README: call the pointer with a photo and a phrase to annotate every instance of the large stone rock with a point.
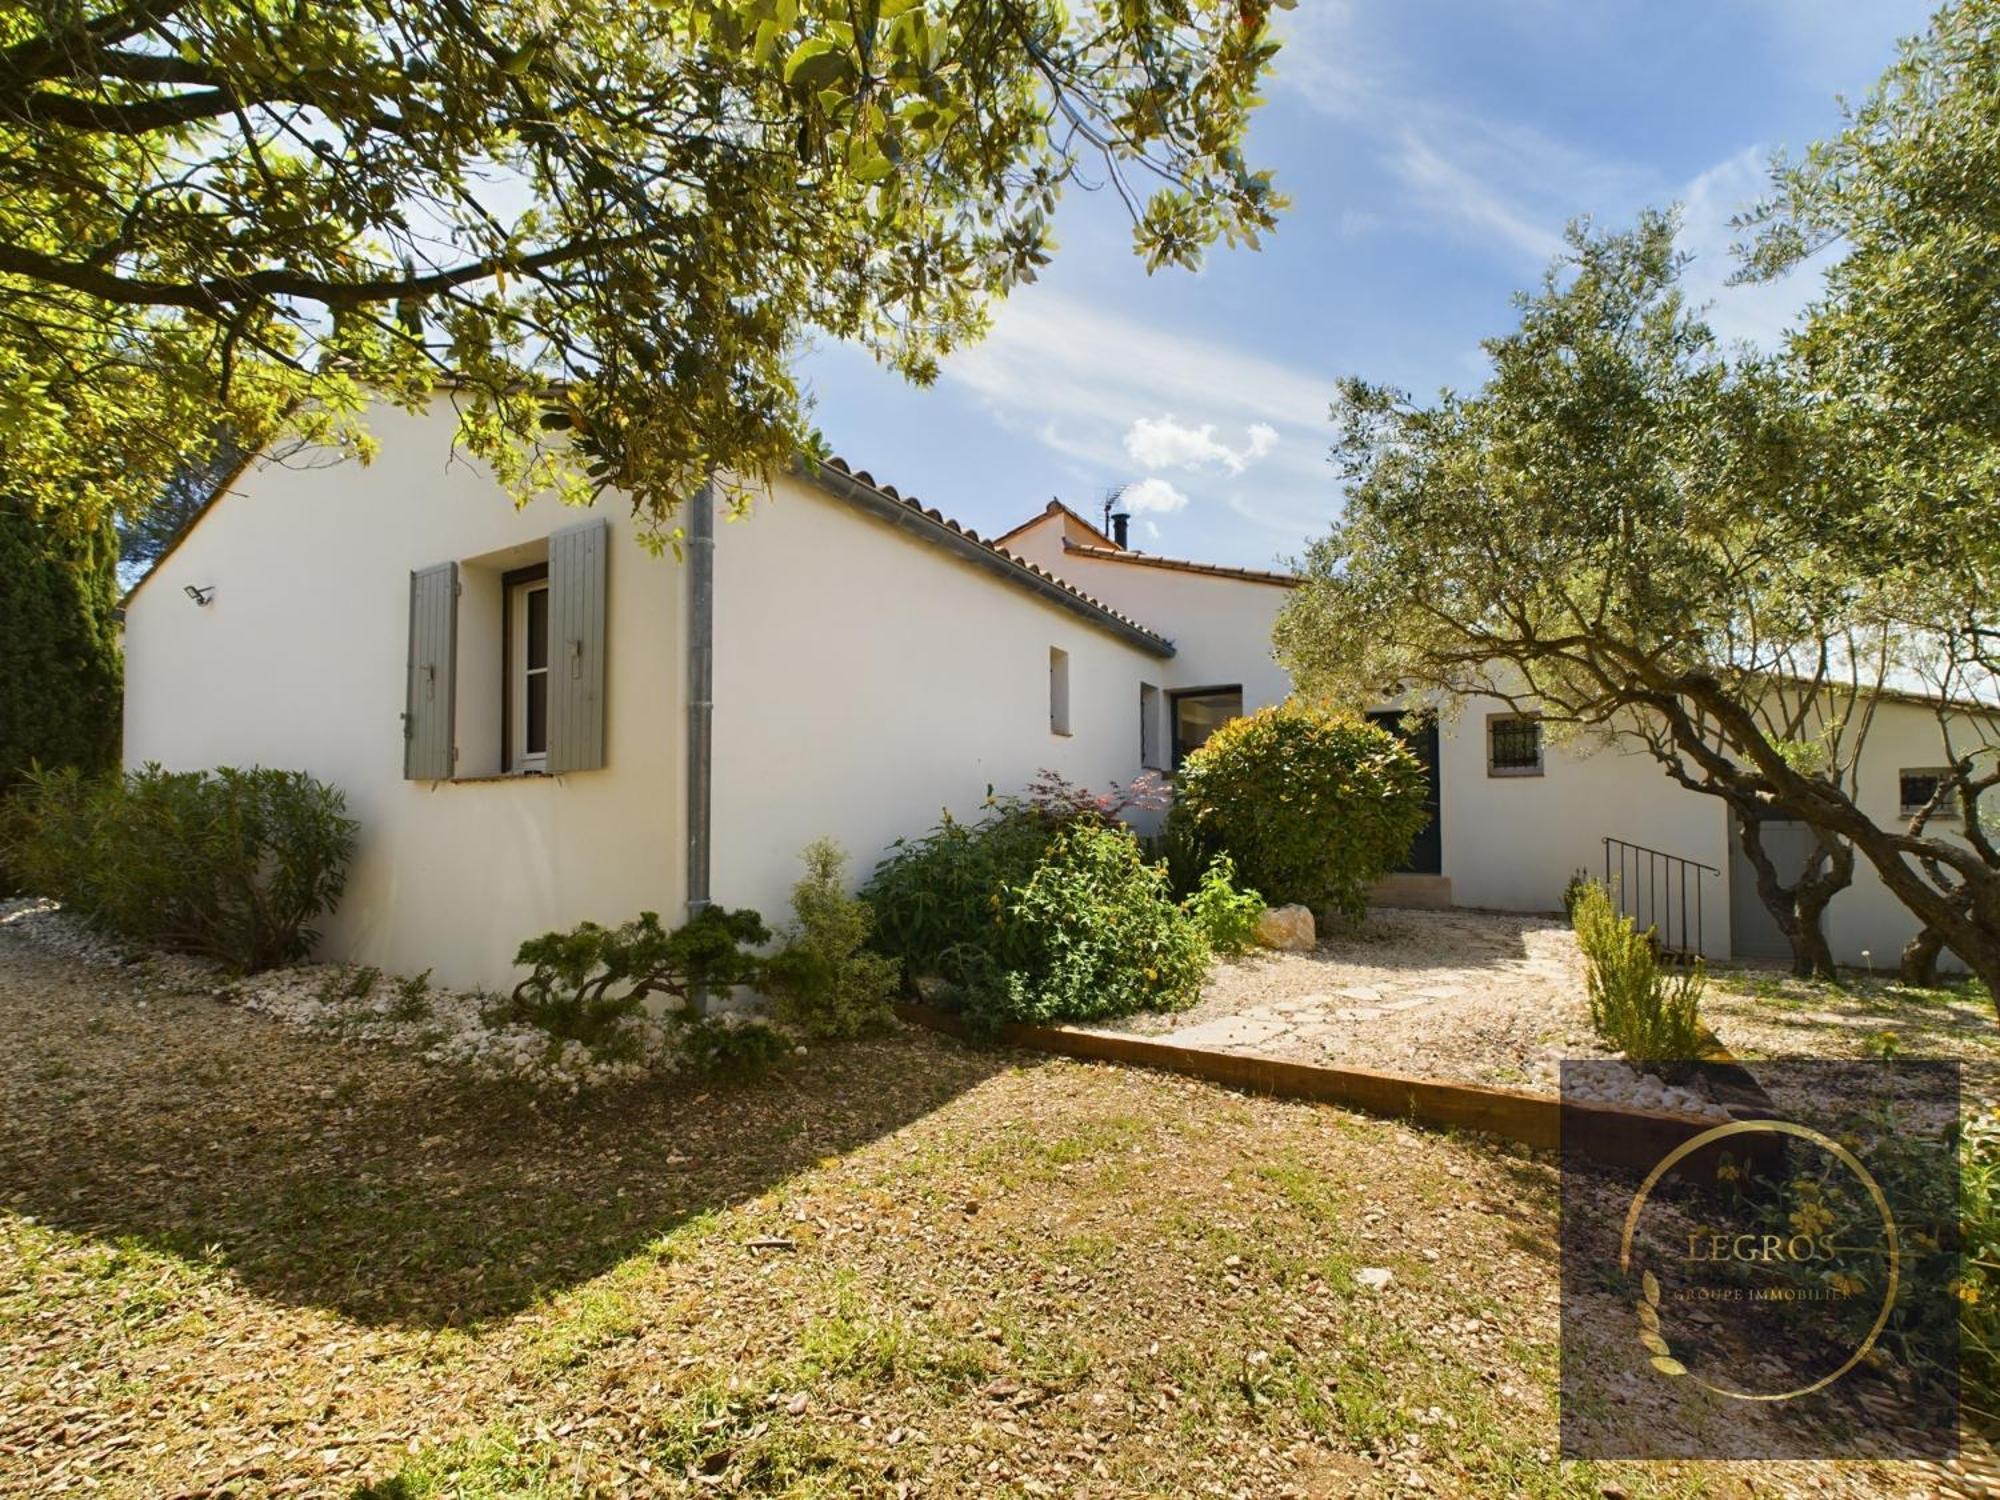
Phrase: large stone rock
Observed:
(1287, 927)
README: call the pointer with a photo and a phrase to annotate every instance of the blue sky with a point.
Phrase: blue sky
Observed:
(1433, 153)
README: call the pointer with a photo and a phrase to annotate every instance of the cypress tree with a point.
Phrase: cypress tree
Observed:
(61, 674)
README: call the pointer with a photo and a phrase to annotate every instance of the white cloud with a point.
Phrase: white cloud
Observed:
(1153, 494)
(1078, 377)
(1759, 312)
(1165, 443)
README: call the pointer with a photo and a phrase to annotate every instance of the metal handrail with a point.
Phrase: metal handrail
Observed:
(1658, 889)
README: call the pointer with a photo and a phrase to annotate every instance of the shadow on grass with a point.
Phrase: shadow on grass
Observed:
(327, 1174)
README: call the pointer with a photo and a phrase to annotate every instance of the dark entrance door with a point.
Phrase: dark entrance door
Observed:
(1427, 853)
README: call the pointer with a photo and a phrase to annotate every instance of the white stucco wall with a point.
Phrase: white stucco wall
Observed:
(1902, 736)
(1511, 842)
(1220, 626)
(865, 680)
(299, 662)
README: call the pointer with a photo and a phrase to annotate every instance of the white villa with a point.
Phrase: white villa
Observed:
(536, 721)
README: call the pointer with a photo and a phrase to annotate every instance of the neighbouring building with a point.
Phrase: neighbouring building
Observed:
(537, 721)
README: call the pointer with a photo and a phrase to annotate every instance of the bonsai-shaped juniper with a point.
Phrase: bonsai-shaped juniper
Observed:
(583, 983)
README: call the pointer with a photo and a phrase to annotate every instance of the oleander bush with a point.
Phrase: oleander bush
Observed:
(825, 980)
(232, 864)
(1649, 1014)
(1313, 806)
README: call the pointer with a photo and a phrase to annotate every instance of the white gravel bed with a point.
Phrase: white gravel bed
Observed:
(453, 1028)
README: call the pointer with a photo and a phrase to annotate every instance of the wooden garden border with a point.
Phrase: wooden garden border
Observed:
(1630, 1137)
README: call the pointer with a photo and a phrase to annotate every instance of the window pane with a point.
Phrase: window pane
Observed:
(1197, 716)
(538, 629)
(1918, 789)
(537, 735)
(1517, 744)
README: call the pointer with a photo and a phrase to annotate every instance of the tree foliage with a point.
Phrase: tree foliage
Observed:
(607, 225)
(1646, 541)
(60, 672)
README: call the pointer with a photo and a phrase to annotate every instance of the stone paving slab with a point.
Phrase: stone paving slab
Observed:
(1482, 997)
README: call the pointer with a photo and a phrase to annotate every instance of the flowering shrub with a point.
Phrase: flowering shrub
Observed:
(1313, 806)
(1979, 1289)
(1045, 909)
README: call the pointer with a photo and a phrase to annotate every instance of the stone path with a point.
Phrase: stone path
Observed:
(1476, 996)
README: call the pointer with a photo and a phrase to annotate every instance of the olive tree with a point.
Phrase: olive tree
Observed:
(606, 227)
(1651, 542)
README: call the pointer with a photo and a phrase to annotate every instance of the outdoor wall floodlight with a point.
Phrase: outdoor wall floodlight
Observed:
(200, 596)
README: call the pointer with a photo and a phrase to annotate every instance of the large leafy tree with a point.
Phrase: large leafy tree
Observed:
(1730, 561)
(606, 225)
(1620, 516)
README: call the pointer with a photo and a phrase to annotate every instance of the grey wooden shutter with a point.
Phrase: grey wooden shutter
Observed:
(427, 714)
(576, 646)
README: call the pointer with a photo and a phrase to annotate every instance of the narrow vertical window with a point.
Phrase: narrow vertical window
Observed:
(527, 688)
(1058, 691)
(1149, 728)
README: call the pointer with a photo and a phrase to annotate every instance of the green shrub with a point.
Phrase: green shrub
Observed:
(230, 864)
(1650, 1016)
(1979, 1288)
(717, 1049)
(1226, 915)
(824, 981)
(60, 671)
(1573, 892)
(1313, 806)
(585, 982)
(1038, 912)
(1099, 935)
(938, 899)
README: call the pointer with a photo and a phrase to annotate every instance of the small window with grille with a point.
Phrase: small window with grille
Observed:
(1917, 788)
(1513, 745)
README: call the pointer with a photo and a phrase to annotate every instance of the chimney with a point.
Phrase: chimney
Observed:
(1120, 522)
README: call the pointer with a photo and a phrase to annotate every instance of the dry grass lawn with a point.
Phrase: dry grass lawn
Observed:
(236, 1259)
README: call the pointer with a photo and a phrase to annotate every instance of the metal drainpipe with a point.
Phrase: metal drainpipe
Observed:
(701, 700)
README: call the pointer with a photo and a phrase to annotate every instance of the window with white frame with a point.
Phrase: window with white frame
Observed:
(1513, 745)
(526, 687)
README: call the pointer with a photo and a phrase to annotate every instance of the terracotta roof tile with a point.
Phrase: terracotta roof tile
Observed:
(1182, 565)
(912, 504)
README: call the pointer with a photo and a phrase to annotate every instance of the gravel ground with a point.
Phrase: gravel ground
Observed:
(1478, 996)
(1497, 998)
(460, 1029)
